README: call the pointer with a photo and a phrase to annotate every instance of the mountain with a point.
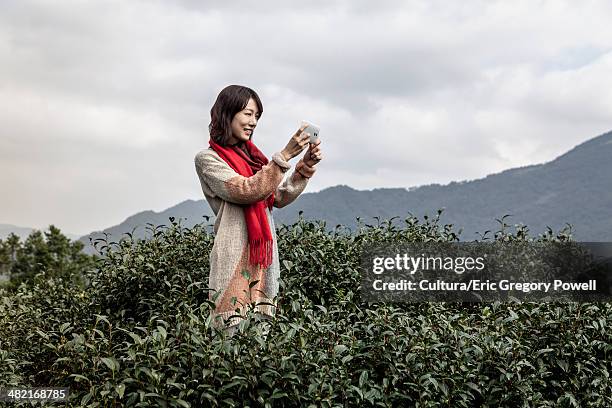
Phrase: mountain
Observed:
(574, 188)
(190, 212)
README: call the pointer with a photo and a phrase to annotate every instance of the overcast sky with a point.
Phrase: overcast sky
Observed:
(104, 104)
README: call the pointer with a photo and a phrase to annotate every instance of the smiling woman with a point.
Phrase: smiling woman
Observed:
(242, 187)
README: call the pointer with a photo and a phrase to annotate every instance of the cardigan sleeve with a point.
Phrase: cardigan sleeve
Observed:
(293, 185)
(221, 180)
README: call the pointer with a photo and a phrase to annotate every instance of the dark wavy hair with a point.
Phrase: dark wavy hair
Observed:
(231, 100)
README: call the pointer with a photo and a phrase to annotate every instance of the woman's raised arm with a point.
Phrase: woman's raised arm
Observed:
(293, 185)
(220, 179)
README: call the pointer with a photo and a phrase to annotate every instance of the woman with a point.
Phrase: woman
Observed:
(242, 186)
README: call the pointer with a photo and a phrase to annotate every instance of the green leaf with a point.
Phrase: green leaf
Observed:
(162, 331)
(79, 377)
(474, 387)
(85, 399)
(103, 318)
(111, 363)
(278, 394)
(340, 348)
(135, 337)
(363, 378)
(253, 283)
(183, 403)
(42, 334)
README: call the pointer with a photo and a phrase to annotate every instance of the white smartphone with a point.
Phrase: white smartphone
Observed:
(312, 129)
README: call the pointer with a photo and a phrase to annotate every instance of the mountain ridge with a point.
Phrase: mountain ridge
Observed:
(568, 189)
(572, 188)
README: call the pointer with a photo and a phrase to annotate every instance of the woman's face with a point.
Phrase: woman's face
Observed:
(244, 122)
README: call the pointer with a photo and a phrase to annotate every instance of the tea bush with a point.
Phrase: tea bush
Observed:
(141, 334)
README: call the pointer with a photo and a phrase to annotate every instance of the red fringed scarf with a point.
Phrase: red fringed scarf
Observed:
(258, 229)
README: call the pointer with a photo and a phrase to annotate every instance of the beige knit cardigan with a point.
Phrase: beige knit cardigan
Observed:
(227, 192)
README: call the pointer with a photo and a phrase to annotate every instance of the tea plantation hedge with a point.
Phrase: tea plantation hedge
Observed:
(139, 333)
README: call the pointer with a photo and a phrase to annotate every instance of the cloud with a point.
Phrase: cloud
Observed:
(104, 104)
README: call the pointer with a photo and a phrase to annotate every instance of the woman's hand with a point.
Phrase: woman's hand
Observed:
(313, 155)
(296, 144)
